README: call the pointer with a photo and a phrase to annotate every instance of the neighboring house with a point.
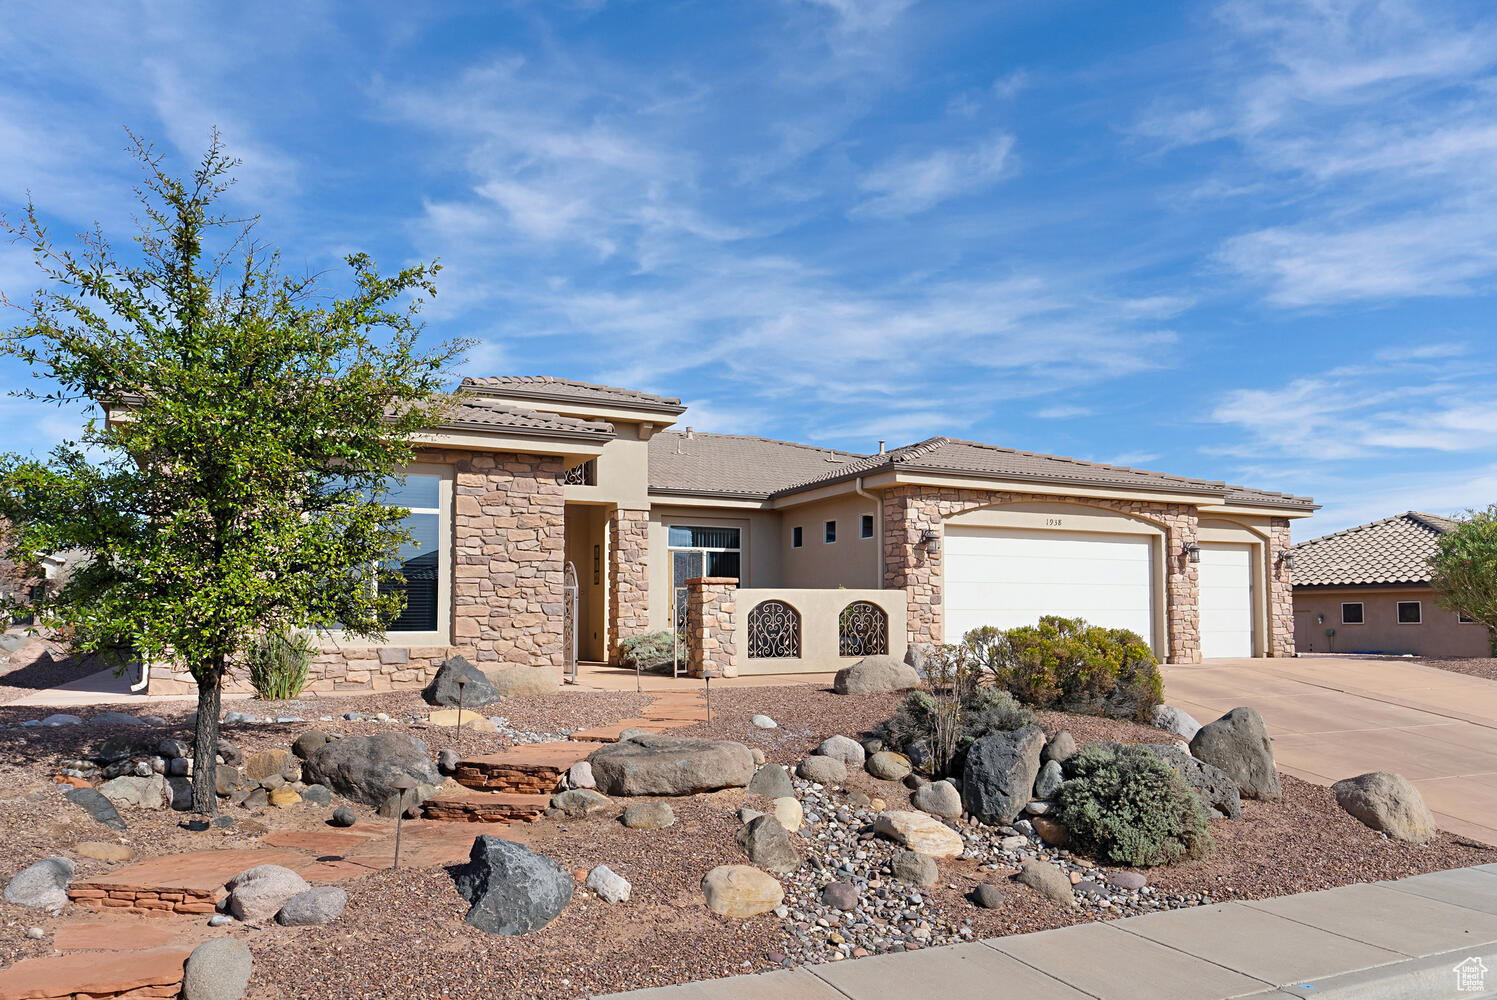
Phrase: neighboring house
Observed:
(1366, 590)
(538, 494)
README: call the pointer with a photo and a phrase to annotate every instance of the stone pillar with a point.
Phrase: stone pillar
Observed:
(711, 607)
(1182, 588)
(628, 576)
(1280, 592)
(910, 565)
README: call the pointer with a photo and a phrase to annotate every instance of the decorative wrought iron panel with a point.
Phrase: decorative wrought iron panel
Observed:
(862, 630)
(569, 621)
(585, 474)
(773, 630)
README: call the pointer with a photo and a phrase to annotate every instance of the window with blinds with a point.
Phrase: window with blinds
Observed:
(420, 557)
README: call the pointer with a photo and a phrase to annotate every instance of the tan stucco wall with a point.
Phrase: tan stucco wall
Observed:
(758, 537)
(1440, 633)
(623, 471)
(850, 561)
(819, 612)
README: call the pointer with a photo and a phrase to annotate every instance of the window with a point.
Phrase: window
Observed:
(1351, 613)
(420, 558)
(1409, 613)
(700, 551)
(585, 474)
(1464, 619)
(796, 537)
(866, 531)
(831, 532)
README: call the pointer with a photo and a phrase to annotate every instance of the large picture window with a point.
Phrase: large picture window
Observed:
(700, 551)
(420, 557)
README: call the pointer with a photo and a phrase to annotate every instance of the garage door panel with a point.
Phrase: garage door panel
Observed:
(1225, 588)
(1009, 577)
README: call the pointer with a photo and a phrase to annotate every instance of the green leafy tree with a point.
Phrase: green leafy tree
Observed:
(252, 421)
(1465, 568)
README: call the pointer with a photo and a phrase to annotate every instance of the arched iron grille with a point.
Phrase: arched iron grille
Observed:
(862, 630)
(773, 630)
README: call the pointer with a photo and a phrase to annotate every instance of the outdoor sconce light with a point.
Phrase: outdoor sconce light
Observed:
(1286, 559)
(1193, 552)
(931, 540)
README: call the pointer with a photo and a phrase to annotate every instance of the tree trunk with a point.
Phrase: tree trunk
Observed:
(205, 740)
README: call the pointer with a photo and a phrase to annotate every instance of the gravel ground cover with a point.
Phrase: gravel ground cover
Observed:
(403, 936)
(1476, 666)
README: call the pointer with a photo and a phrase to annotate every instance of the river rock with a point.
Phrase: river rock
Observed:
(1238, 744)
(1060, 748)
(321, 905)
(1388, 802)
(580, 775)
(767, 845)
(140, 793)
(42, 885)
(919, 831)
(849, 751)
(888, 765)
(582, 803)
(217, 970)
(741, 891)
(610, 886)
(1046, 879)
(914, 868)
(876, 674)
(257, 894)
(771, 781)
(652, 815)
(788, 810)
(841, 896)
(998, 779)
(823, 770)
(670, 765)
(512, 889)
(939, 798)
(308, 742)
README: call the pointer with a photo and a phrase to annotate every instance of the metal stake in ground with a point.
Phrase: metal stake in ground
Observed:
(462, 682)
(403, 783)
(707, 674)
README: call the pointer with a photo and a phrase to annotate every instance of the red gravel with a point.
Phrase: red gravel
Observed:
(1476, 666)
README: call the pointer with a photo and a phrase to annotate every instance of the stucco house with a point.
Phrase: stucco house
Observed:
(1366, 590)
(556, 518)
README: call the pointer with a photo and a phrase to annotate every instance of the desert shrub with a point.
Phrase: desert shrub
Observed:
(1126, 806)
(278, 664)
(652, 652)
(1066, 664)
(952, 715)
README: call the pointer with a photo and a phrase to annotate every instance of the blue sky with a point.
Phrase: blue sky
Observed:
(1242, 240)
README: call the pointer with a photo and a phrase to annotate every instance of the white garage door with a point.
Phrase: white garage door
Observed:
(1006, 577)
(1226, 589)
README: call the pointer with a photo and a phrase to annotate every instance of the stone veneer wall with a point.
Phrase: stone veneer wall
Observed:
(628, 576)
(508, 559)
(1280, 592)
(711, 604)
(909, 566)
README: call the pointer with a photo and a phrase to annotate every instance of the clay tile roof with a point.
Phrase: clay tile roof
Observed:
(478, 412)
(735, 465)
(571, 391)
(1394, 550)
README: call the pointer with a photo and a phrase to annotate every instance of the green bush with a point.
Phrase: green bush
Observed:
(279, 663)
(1124, 805)
(1066, 664)
(941, 720)
(652, 652)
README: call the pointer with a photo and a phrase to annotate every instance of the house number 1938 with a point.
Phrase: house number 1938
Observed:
(1052, 522)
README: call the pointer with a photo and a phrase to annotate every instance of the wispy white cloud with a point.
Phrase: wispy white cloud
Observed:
(913, 183)
(1063, 412)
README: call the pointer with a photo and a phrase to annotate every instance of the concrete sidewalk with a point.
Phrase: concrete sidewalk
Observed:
(1333, 717)
(1401, 939)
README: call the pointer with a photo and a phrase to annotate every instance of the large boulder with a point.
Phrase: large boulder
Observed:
(998, 778)
(1238, 744)
(651, 764)
(512, 889)
(43, 885)
(139, 793)
(91, 801)
(1388, 802)
(1213, 786)
(740, 891)
(476, 689)
(921, 832)
(876, 674)
(321, 905)
(1175, 720)
(767, 845)
(365, 768)
(217, 970)
(523, 681)
(257, 894)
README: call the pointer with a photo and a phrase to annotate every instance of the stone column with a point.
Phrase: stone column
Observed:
(1280, 592)
(1182, 589)
(628, 576)
(909, 565)
(711, 607)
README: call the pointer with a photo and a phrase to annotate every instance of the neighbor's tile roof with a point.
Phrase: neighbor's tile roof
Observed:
(570, 390)
(1393, 550)
(490, 414)
(735, 465)
(757, 467)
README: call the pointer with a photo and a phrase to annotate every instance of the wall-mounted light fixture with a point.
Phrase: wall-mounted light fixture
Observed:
(1192, 552)
(1286, 559)
(931, 539)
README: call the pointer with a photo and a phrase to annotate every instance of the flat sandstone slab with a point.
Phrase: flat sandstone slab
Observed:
(93, 973)
(200, 872)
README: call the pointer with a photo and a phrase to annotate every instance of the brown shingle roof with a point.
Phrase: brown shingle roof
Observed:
(571, 391)
(478, 412)
(735, 465)
(1394, 550)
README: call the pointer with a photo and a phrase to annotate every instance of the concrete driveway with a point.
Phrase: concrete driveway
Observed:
(1333, 717)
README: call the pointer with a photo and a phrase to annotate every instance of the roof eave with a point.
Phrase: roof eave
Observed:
(674, 409)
